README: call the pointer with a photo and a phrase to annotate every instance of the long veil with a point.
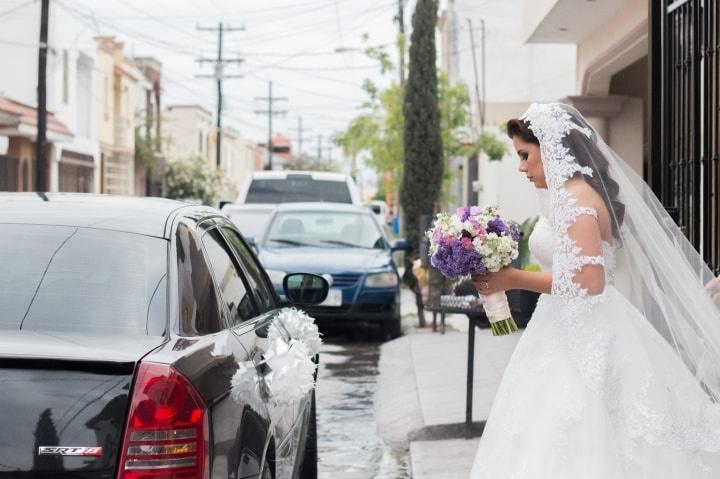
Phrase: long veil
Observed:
(655, 268)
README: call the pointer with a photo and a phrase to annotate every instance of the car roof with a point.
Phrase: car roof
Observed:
(322, 206)
(281, 175)
(140, 215)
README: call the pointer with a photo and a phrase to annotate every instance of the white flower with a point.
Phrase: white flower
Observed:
(291, 324)
(292, 371)
(245, 386)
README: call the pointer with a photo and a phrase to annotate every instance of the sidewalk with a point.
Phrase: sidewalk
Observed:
(420, 401)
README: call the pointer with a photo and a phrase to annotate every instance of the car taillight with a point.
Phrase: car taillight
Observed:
(166, 435)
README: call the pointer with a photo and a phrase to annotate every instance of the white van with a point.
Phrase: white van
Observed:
(274, 187)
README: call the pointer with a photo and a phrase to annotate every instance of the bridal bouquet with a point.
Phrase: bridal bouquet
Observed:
(476, 240)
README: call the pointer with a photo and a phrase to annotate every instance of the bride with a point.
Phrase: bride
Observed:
(617, 376)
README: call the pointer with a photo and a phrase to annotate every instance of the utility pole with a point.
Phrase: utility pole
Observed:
(300, 134)
(270, 112)
(40, 144)
(319, 151)
(219, 75)
(401, 40)
(480, 106)
(482, 51)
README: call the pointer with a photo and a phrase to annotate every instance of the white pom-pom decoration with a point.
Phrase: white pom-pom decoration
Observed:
(293, 340)
(296, 325)
(292, 371)
(245, 386)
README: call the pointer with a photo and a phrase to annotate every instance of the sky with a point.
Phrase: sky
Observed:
(291, 42)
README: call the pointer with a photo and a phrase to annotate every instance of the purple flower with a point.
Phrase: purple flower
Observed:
(515, 231)
(463, 213)
(476, 210)
(456, 259)
(497, 226)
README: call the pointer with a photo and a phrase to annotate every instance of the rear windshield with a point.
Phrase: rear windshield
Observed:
(68, 279)
(297, 190)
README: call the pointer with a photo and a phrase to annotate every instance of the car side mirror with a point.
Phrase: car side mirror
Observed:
(304, 289)
(401, 245)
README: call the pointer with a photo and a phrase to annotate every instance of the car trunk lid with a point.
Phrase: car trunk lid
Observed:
(64, 416)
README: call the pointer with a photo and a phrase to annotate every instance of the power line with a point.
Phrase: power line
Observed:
(219, 75)
(16, 8)
(270, 112)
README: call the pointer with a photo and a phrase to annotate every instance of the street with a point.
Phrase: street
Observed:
(348, 446)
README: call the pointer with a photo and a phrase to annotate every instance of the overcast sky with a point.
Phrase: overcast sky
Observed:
(290, 42)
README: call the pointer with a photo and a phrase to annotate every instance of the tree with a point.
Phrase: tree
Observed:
(423, 147)
(310, 163)
(193, 179)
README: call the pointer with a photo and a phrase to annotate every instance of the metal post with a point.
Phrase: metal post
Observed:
(401, 41)
(270, 126)
(219, 65)
(40, 144)
(470, 375)
(475, 70)
(300, 135)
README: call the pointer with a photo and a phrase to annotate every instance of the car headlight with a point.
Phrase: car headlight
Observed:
(276, 276)
(381, 280)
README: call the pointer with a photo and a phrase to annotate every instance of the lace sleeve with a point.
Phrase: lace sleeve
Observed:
(578, 265)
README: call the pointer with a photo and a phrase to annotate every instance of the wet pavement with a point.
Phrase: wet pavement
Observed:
(348, 446)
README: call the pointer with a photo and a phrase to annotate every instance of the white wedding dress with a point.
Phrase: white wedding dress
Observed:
(550, 421)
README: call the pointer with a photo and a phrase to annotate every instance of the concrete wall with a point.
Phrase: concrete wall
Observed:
(618, 43)
(186, 133)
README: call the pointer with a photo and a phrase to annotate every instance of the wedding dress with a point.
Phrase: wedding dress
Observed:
(622, 384)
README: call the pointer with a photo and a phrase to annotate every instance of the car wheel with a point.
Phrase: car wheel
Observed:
(310, 459)
(391, 328)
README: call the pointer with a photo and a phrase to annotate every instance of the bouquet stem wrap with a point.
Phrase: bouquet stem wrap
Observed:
(498, 312)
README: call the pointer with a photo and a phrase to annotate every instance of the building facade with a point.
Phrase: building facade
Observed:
(72, 100)
(611, 78)
(481, 46)
(149, 160)
(189, 132)
(117, 79)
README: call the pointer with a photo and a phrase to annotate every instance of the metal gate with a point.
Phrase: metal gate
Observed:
(685, 141)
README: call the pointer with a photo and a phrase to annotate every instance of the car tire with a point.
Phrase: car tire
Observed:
(309, 468)
(391, 328)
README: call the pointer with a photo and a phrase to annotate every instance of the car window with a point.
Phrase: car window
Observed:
(256, 278)
(229, 279)
(339, 229)
(70, 279)
(295, 189)
(199, 306)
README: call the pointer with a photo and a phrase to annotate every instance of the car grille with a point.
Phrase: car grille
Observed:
(345, 280)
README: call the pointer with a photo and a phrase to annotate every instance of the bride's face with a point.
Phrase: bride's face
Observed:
(530, 161)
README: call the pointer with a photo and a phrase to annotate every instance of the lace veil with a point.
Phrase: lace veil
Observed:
(648, 260)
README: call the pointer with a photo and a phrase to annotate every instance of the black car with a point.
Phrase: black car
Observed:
(122, 323)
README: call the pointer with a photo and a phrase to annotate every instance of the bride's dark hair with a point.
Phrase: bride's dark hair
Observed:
(587, 154)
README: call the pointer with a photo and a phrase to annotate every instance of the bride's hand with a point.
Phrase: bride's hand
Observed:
(713, 289)
(494, 282)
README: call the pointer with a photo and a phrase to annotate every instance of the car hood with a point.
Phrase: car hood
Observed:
(324, 260)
